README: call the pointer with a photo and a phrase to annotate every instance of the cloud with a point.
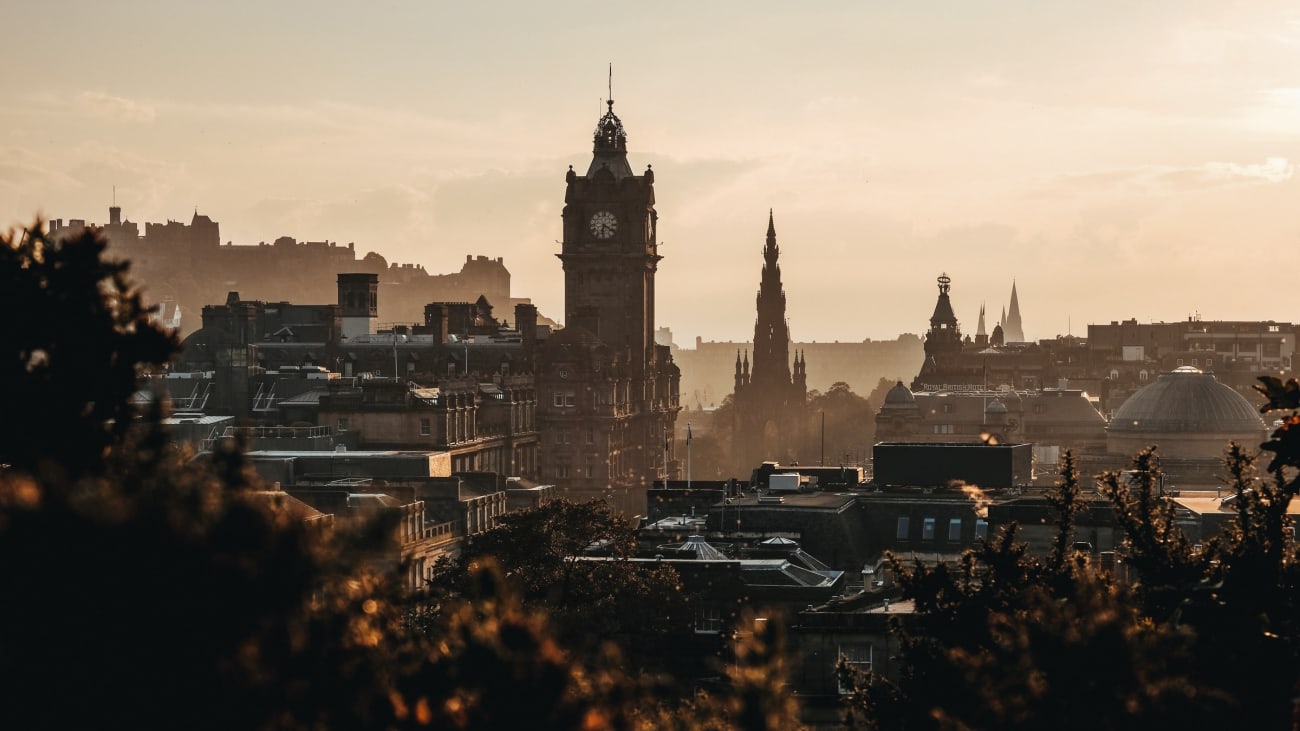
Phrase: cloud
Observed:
(1272, 170)
(117, 108)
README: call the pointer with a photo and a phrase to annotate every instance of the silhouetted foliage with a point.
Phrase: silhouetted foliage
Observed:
(850, 422)
(76, 336)
(591, 596)
(1197, 638)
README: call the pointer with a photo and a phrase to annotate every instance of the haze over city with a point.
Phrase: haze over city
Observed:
(1113, 160)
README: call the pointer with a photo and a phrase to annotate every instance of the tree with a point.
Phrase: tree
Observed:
(1007, 640)
(590, 596)
(1198, 638)
(76, 337)
(850, 423)
(147, 589)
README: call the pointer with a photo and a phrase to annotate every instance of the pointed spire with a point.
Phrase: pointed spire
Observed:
(771, 226)
(980, 329)
(1015, 331)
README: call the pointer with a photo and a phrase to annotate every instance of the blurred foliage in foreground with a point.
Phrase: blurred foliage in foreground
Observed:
(146, 589)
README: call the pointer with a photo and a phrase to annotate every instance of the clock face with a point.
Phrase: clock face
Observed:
(603, 224)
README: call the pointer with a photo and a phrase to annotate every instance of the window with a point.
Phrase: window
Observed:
(569, 398)
(343, 423)
(562, 470)
(927, 529)
(558, 399)
(426, 427)
(954, 529)
(981, 528)
(1180, 361)
(857, 656)
(1193, 361)
(591, 435)
(708, 620)
(943, 429)
(947, 408)
(904, 527)
(1143, 375)
(1209, 362)
(1114, 375)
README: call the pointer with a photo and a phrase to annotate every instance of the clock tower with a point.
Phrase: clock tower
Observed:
(609, 251)
(608, 395)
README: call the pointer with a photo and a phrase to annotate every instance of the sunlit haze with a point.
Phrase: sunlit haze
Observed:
(1114, 159)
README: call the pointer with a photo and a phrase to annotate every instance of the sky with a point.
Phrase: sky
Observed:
(1113, 159)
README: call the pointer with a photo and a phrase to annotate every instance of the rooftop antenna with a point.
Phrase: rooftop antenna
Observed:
(611, 83)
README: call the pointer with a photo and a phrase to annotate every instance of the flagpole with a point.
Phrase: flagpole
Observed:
(688, 455)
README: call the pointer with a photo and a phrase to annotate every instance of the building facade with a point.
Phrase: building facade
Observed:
(608, 393)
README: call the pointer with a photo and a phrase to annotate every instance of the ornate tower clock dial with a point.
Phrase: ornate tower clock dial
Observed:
(603, 224)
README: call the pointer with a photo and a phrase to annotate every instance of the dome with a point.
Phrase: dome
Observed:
(995, 407)
(1187, 401)
(899, 395)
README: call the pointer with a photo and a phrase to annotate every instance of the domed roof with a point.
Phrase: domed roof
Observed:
(1186, 400)
(995, 407)
(900, 395)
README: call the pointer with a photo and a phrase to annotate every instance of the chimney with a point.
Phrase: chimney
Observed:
(435, 318)
(526, 324)
(359, 302)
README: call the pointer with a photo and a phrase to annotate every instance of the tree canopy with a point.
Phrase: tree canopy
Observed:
(1193, 636)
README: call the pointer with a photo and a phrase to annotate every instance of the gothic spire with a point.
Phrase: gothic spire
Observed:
(980, 329)
(1015, 332)
(771, 331)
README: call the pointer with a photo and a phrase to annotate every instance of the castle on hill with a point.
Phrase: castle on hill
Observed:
(186, 266)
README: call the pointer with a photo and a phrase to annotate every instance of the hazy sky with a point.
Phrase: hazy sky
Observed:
(1116, 159)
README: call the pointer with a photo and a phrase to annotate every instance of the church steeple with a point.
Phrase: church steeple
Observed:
(1014, 331)
(981, 335)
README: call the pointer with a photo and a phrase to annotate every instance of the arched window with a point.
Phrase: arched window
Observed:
(1114, 375)
(1143, 375)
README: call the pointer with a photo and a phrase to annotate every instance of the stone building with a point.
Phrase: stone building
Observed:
(1189, 417)
(986, 361)
(1053, 419)
(608, 393)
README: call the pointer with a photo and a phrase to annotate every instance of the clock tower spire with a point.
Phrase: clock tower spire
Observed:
(603, 376)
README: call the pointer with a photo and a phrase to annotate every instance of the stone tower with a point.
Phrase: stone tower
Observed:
(359, 301)
(608, 395)
(770, 400)
(943, 341)
(609, 250)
